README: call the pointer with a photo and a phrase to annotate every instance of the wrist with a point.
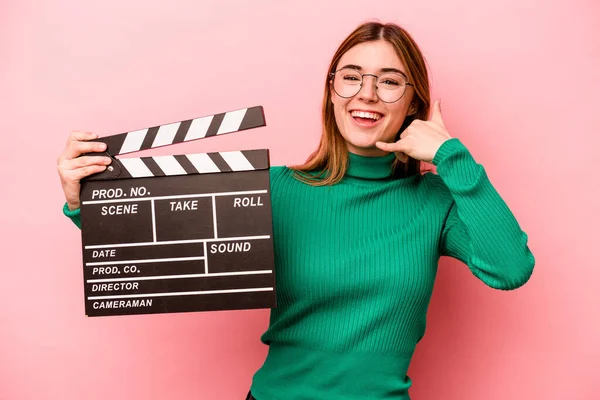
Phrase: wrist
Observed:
(448, 147)
(71, 209)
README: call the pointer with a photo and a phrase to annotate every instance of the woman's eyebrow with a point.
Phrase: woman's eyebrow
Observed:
(359, 68)
(352, 66)
(393, 70)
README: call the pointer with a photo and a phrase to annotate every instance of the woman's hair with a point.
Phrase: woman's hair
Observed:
(328, 164)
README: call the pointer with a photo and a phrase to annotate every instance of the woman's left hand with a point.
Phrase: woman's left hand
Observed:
(421, 139)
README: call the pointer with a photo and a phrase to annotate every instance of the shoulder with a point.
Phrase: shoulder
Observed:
(281, 175)
(289, 180)
(278, 170)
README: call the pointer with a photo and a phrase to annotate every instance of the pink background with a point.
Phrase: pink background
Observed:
(520, 82)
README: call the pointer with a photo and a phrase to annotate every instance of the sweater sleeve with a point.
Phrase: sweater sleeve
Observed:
(74, 216)
(480, 230)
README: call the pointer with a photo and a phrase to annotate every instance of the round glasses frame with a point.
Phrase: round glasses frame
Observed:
(333, 75)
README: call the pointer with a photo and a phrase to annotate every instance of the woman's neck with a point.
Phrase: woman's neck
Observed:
(363, 167)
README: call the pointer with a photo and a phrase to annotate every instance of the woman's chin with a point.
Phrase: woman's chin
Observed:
(366, 148)
(362, 140)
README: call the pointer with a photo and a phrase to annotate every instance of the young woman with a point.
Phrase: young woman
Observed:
(358, 229)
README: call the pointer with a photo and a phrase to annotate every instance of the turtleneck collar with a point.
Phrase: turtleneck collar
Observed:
(363, 167)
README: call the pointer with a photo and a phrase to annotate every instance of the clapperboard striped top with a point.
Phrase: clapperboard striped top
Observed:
(184, 131)
(200, 163)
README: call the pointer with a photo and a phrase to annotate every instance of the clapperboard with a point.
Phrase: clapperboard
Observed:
(179, 233)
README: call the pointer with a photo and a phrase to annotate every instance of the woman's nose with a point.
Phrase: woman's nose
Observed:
(368, 89)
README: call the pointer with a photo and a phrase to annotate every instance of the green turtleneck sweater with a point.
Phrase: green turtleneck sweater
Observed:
(355, 268)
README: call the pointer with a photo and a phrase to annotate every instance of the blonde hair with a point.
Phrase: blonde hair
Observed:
(328, 164)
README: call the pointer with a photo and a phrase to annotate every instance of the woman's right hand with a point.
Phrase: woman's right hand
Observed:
(72, 168)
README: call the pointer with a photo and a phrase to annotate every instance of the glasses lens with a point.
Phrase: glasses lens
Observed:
(391, 87)
(347, 82)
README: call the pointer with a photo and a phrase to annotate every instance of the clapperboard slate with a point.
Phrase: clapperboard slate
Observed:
(179, 233)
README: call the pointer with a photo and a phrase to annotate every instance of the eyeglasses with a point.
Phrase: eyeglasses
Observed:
(390, 86)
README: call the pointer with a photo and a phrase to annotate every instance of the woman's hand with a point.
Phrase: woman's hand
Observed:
(421, 139)
(72, 168)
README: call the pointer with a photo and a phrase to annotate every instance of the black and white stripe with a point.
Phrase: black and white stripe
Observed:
(184, 131)
(187, 164)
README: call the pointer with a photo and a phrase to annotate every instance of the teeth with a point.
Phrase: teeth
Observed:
(363, 114)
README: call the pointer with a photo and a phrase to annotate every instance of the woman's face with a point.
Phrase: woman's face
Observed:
(364, 119)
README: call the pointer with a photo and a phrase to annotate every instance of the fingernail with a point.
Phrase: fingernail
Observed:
(102, 146)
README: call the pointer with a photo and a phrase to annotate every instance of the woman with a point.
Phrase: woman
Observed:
(358, 230)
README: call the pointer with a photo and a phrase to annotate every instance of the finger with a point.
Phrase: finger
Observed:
(85, 161)
(80, 173)
(391, 147)
(436, 113)
(77, 148)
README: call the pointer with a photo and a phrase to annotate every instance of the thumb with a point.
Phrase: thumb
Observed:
(436, 113)
(389, 147)
(397, 148)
